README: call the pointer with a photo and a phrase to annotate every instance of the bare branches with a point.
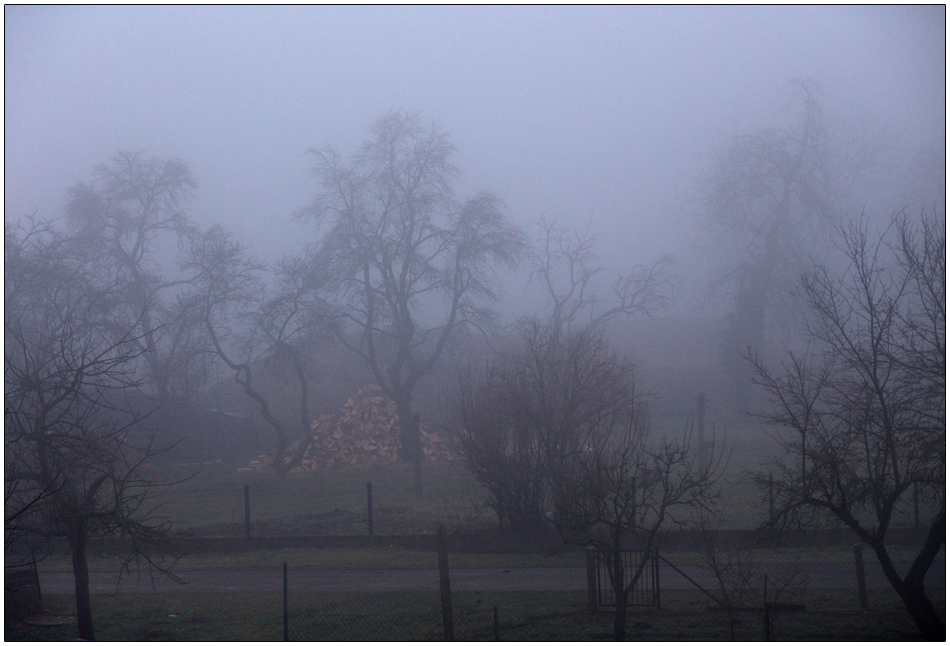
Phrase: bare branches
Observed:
(399, 244)
(70, 386)
(566, 265)
(563, 425)
(118, 222)
(250, 327)
(867, 402)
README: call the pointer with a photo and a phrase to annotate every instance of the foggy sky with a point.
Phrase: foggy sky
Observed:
(605, 115)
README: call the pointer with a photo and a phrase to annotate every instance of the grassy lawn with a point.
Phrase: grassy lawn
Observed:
(331, 558)
(685, 615)
(211, 501)
(397, 557)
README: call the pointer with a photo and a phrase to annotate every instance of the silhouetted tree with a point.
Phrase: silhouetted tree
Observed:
(70, 381)
(249, 326)
(769, 196)
(866, 403)
(562, 424)
(411, 264)
(121, 221)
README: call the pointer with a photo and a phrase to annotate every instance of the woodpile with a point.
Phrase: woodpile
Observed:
(364, 432)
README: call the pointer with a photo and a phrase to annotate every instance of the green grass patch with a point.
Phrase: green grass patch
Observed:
(211, 502)
(685, 615)
(332, 559)
(403, 558)
(333, 502)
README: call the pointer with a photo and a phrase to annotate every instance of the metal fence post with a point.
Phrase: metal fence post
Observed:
(247, 512)
(445, 589)
(859, 569)
(369, 506)
(286, 616)
(591, 579)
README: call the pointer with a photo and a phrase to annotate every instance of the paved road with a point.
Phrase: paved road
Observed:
(820, 575)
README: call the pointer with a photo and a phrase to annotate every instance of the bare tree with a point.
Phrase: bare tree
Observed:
(121, 221)
(521, 420)
(737, 572)
(563, 424)
(866, 404)
(249, 326)
(624, 485)
(769, 196)
(566, 264)
(69, 404)
(411, 264)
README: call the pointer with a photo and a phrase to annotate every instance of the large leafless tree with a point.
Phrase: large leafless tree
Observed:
(71, 380)
(769, 196)
(125, 220)
(411, 263)
(251, 326)
(864, 407)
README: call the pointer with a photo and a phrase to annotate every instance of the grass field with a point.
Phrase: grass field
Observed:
(397, 557)
(685, 615)
(211, 501)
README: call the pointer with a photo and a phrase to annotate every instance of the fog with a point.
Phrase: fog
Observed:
(548, 279)
(604, 115)
(606, 120)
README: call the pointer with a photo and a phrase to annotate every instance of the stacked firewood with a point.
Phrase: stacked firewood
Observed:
(365, 431)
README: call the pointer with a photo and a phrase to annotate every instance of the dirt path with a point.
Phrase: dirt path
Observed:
(819, 574)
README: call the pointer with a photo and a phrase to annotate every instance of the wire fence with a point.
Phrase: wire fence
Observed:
(384, 500)
(499, 604)
(770, 593)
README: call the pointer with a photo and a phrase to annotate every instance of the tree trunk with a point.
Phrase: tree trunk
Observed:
(77, 545)
(620, 617)
(620, 594)
(932, 627)
(911, 588)
(408, 431)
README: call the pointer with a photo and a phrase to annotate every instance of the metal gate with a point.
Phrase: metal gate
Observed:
(647, 590)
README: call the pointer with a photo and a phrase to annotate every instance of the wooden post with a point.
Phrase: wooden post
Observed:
(859, 570)
(369, 506)
(591, 579)
(286, 622)
(701, 419)
(36, 579)
(916, 506)
(656, 577)
(771, 499)
(417, 458)
(495, 621)
(445, 588)
(633, 500)
(247, 512)
(765, 608)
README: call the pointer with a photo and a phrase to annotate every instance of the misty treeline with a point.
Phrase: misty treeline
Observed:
(104, 336)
